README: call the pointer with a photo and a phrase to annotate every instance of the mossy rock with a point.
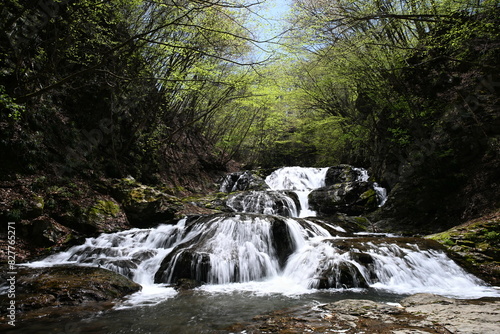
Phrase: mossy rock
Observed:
(106, 215)
(145, 206)
(476, 245)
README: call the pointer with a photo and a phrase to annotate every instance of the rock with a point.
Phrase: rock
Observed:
(341, 174)
(282, 241)
(426, 299)
(91, 216)
(352, 198)
(187, 265)
(365, 316)
(44, 231)
(145, 206)
(341, 275)
(240, 181)
(68, 286)
(476, 246)
(187, 284)
(457, 316)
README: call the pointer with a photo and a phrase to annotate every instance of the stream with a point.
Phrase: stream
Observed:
(271, 253)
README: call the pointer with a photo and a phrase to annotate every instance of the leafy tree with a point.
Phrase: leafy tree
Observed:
(109, 83)
(408, 76)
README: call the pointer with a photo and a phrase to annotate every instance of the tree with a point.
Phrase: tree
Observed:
(408, 75)
(120, 79)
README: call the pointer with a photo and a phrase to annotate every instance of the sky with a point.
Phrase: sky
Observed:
(272, 19)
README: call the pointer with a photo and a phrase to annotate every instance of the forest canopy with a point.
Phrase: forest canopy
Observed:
(153, 88)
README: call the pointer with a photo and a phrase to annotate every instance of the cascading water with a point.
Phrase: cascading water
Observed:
(301, 181)
(272, 253)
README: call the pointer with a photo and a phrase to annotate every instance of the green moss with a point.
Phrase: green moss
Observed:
(39, 202)
(475, 245)
(104, 208)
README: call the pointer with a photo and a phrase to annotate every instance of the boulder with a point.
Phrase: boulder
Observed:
(99, 215)
(44, 231)
(145, 206)
(342, 174)
(341, 275)
(240, 181)
(475, 245)
(352, 198)
(68, 286)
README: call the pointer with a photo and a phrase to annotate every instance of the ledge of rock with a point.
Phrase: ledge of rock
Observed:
(68, 286)
(421, 313)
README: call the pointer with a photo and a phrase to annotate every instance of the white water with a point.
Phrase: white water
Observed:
(381, 194)
(246, 244)
(265, 202)
(301, 180)
(363, 174)
(242, 255)
(380, 191)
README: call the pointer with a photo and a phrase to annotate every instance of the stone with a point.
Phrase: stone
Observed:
(240, 181)
(340, 174)
(366, 316)
(68, 285)
(352, 198)
(145, 206)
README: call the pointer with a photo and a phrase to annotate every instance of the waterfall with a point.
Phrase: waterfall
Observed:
(381, 194)
(301, 181)
(265, 202)
(380, 191)
(274, 246)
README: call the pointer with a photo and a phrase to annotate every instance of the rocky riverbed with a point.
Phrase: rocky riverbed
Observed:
(420, 313)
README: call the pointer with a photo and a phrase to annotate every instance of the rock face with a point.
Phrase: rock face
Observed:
(476, 246)
(422, 313)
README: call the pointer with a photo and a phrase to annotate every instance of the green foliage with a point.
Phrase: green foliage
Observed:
(112, 86)
(9, 106)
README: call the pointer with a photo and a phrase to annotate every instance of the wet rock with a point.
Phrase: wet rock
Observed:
(183, 265)
(364, 316)
(187, 284)
(282, 241)
(67, 286)
(341, 174)
(240, 181)
(352, 198)
(340, 276)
